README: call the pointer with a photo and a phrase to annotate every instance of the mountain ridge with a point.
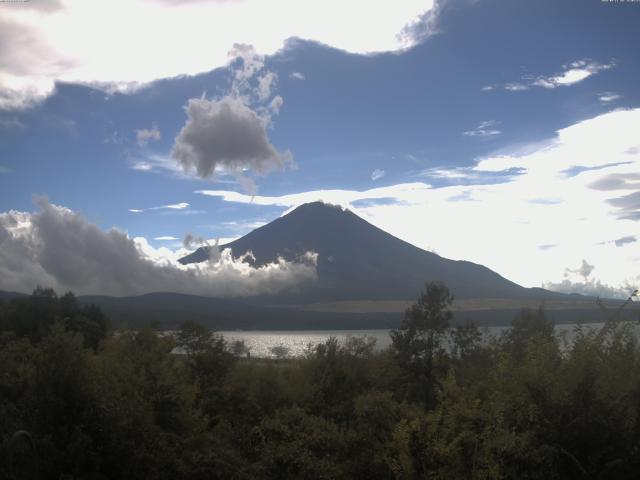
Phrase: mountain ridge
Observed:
(359, 261)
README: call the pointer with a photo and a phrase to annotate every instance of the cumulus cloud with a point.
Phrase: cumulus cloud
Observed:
(225, 135)
(377, 174)
(572, 73)
(28, 66)
(591, 288)
(484, 129)
(146, 135)
(165, 238)
(57, 247)
(43, 42)
(297, 76)
(228, 135)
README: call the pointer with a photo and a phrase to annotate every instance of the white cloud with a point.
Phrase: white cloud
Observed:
(377, 174)
(506, 223)
(297, 76)
(145, 135)
(165, 238)
(58, 248)
(174, 206)
(608, 97)
(573, 73)
(68, 44)
(514, 87)
(484, 129)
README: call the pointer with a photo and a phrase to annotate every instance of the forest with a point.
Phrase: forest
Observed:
(80, 399)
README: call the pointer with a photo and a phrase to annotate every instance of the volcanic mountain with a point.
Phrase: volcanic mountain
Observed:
(358, 261)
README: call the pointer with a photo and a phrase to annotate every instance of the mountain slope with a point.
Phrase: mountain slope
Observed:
(357, 260)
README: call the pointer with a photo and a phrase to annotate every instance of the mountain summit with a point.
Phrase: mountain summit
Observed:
(358, 261)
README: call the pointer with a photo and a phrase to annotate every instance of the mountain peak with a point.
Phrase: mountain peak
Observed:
(317, 207)
(358, 261)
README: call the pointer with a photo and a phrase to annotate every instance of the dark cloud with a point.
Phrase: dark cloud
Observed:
(58, 248)
(617, 181)
(584, 270)
(628, 206)
(225, 134)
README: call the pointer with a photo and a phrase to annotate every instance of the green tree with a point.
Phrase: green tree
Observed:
(418, 343)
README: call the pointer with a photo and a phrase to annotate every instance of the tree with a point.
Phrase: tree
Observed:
(418, 341)
(279, 351)
(529, 325)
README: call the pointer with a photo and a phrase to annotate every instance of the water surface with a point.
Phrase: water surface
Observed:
(260, 342)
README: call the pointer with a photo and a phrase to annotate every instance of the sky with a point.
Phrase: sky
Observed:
(504, 133)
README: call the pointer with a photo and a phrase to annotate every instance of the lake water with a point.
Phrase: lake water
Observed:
(260, 343)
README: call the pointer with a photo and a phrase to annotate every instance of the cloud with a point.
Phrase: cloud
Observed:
(225, 135)
(174, 206)
(335, 197)
(67, 44)
(515, 87)
(190, 241)
(56, 247)
(28, 66)
(502, 228)
(377, 174)
(625, 240)
(628, 206)
(297, 76)
(618, 181)
(591, 288)
(422, 27)
(584, 270)
(165, 238)
(43, 5)
(484, 129)
(608, 97)
(144, 136)
(572, 73)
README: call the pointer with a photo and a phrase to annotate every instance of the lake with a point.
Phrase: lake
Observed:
(296, 341)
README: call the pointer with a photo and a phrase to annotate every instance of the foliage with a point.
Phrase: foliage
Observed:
(441, 403)
(418, 343)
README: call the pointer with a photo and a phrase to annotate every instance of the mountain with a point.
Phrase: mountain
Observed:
(169, 310)
(358, 261)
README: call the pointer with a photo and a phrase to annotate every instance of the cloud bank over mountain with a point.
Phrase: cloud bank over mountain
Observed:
(56, 247)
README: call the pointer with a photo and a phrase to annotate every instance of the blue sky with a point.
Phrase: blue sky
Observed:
(506, 133)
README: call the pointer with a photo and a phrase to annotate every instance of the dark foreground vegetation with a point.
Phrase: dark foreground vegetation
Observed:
(78, 402)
